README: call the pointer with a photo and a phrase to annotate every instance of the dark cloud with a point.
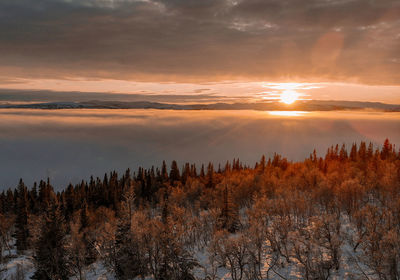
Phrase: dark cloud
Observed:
(352, 40)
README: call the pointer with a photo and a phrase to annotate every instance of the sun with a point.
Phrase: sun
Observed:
(289, 96)
(287, 93)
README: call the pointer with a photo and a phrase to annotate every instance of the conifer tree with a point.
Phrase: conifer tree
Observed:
(262, 163)
(202, 172)
(50, 254)
(362, 151)
(33, 198)
(227, 167)
(343, 154)
(370, 151)
(164, 172)
(185, 173)
(193, 171)
(210, 176)
(90, 255)
(174, 173)
(229, 214)
(21, 224)
(387, 149)
(128, 262)
(353, 152)
(69, 201)
(45, 194)
(127, 179)
(2, 202)
(9, 203)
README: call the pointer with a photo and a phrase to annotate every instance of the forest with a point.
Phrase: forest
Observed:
(330, 217)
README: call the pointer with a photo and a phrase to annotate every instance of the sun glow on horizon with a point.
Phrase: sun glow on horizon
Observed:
(287, 93)
(288, 113)
(289, 96)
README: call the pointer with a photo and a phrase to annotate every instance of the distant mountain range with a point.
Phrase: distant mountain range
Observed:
(305, 105)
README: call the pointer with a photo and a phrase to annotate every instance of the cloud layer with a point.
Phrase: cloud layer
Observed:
(71, 145)
(182, 40)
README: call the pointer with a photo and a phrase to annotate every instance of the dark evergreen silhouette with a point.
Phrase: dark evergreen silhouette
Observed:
(50, 253)
(21, 223)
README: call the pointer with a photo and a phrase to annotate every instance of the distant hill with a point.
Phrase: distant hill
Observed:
(309, 105)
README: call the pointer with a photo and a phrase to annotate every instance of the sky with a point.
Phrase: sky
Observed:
(347, 49)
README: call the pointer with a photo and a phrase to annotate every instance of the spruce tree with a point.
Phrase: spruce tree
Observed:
(354, 152)
(210, 176)
(90, 255)
(45, 194)
(185, 173)
(262, 164)
(164, 172)
(193, 171)
(202, 173)
(128, 262)
(174, 174)
(21, 223)
(9, 202)
(229, 216)
(387, 150)
(33, 198)
(50, 253)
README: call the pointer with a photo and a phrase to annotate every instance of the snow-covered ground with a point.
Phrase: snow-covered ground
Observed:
(20, 266)
(17, 267)
(23, 265)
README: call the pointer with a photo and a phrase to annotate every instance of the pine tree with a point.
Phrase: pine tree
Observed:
(227, 168)
(90, 255)
(50, 254)
(193, 171)
(45, 195)
(164, 172)
(2, 202)
(174, 173)
(185, 173)
(128, 262)
(210, 176)
(343, 153)
(69, 201)
(362, 151)
(202, 173)
(353, 152)
(21, 223)
(127, 179)
(370, 151)
(33, 198)
(229, 214)
(386, 150)
(262, 164)
(9, 201)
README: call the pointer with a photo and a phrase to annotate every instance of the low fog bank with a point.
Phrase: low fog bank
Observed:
(71, 145)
